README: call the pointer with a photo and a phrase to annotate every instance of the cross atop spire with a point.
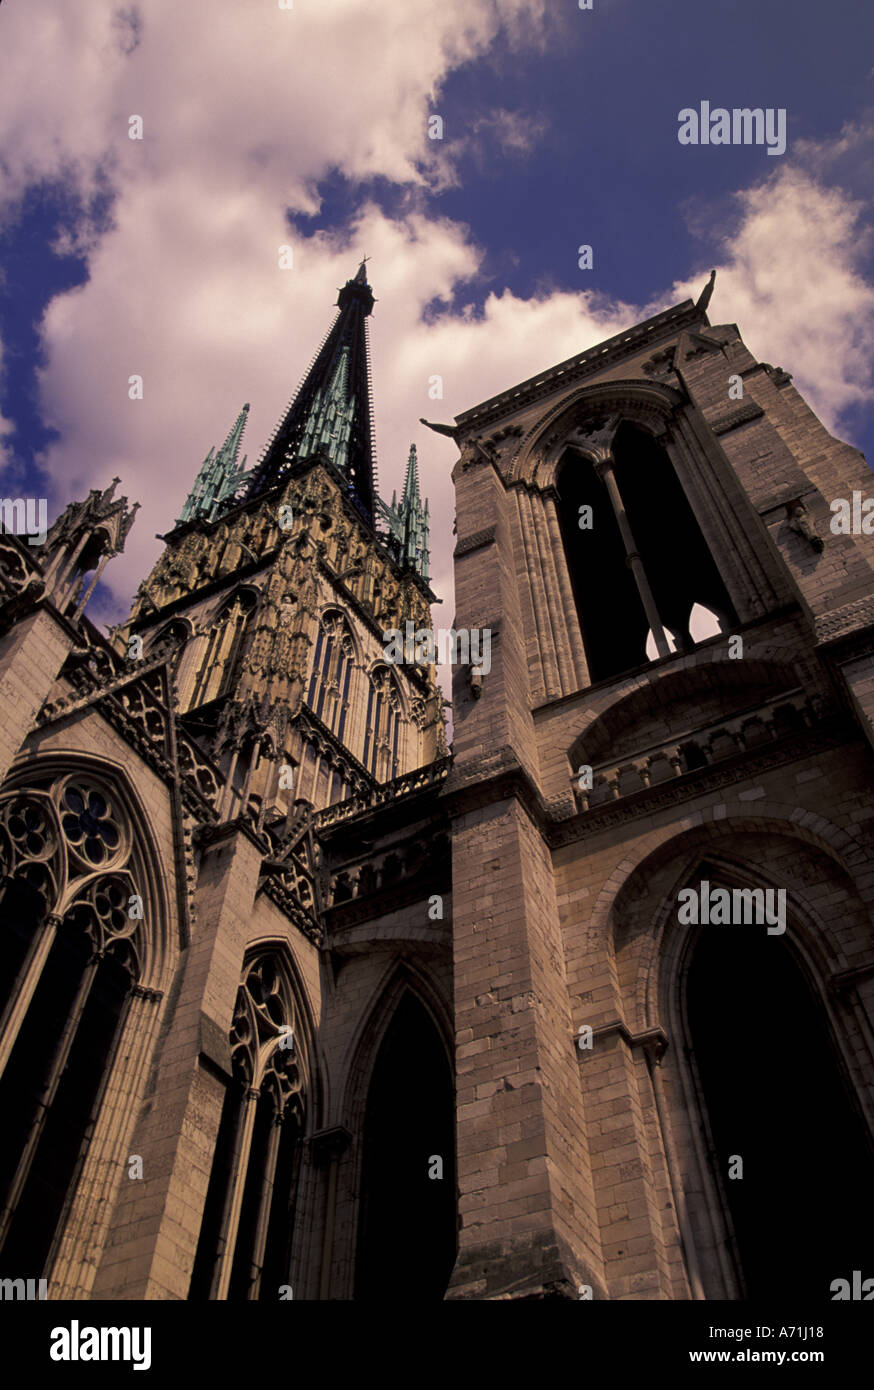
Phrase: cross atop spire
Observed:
(332, 411)
(220, 478)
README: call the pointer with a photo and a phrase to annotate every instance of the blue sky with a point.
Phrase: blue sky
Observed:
(310, 127)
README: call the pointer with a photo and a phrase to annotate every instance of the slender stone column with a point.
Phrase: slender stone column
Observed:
(156, 1223)
(572, 624)
(604, 468)
(91, 587)
(254, 760)
(328, 1147)
(546, 645)
(57, 597)
(653, 1053)
(234, 1198)
(554, 599)
(269, 787)
(265, 1202)
(228, 794)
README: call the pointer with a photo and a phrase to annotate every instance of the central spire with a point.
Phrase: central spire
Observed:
(332, 411)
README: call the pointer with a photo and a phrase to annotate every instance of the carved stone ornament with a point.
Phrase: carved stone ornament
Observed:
(800, 521)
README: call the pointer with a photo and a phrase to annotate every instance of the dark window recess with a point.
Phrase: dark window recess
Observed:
(612, 619)
(407, 1238)
(219, 1182)
(67, 1126)
(679, 567)
(776, 1095)
(22, 911)
(249, 1279)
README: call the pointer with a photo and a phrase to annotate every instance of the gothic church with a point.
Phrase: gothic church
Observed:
(300, 1002)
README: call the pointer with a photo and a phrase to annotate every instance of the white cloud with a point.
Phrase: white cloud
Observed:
(246, 108)
(9, 473)
(242, 94)
(792, 277)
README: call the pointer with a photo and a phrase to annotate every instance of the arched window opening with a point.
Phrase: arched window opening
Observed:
(245, 1241)
(703, 623)
(169, 642)
(776, 1096)
(382, 729)
(660, 559)
(219, 667)
(73, 884)
(613, 623)
(76, 569)
(333, 659)
(693, 756)
(408, 1216)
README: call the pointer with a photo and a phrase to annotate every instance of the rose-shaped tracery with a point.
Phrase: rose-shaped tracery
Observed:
(69, 840)
(88, 824)
(29, 843)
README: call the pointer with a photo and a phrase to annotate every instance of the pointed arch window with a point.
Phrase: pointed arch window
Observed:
(245, 1241)
(72, 956)
(218, 669)
(330, 680)
(757, 1103)
(641, 570)
(402, 1213)
(170, 641)
(382, 725)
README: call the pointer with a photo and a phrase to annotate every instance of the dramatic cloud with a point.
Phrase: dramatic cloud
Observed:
(791, 279)
(245, 110)
(10, 480)
(237, 95)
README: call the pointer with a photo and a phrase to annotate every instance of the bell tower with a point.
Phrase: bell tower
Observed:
(275, 588)
(680, 696)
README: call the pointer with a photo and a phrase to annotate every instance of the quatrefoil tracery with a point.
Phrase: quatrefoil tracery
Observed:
(71, 843)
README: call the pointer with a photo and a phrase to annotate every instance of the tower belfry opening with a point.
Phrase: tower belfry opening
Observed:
(642, 556)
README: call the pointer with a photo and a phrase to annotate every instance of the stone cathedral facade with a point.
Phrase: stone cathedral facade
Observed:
(299, 1002)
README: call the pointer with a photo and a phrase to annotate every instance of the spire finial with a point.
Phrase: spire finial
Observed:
(408, 521)
(220, 477)
(706, 294)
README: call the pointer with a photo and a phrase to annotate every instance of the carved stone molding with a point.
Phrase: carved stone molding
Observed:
(734, 418)
(476, 541)
(330, 1143)
(829, 733)
(585, 364)
(653, 1041)
(844, 980)
(851, 617)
